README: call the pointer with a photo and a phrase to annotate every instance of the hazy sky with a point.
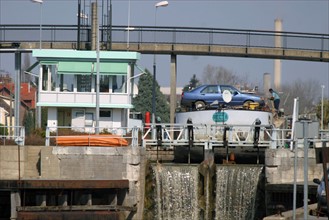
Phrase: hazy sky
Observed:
(310, 16)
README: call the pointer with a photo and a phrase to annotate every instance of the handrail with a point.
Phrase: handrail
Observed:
(170, 35)
(14, 133)
(177, 135)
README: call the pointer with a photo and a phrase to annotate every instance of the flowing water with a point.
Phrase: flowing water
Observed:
(177, 194)
(236, 188)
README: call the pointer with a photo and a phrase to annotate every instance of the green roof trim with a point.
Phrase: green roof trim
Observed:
(91, 55)
(87, 105)
(70, 67)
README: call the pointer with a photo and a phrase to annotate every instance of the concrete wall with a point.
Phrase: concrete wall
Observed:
(78, 163)
(279, 166)
(73, 163)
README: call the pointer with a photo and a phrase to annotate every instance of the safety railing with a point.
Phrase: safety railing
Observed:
(12, 135)
(219, 135)
(167, 135)
(166, 35)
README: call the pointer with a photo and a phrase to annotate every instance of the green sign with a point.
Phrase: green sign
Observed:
(220, 117)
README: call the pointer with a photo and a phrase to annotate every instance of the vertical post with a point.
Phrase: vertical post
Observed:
(295, 177)
(79, 24)
(154, 69)
(97, 69)
(159, 4)
(17, 91)
(110, 17)
(305, 134)
(128, 25)
(173, 79)
(40, 2)
(325, 172)
(40, 40)
(322, 88)
(190, 138)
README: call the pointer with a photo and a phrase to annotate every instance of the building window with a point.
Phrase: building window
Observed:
(66, 83)
(119, 84)
(84, 83)
(105, 113)
(104, 83)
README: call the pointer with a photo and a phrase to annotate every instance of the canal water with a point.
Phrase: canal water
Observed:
(176, 192)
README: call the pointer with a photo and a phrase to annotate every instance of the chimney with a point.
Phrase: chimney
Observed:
(277, 63)
(266, 83)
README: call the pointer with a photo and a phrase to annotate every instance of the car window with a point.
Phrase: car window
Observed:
(229, 88)
(210, 89)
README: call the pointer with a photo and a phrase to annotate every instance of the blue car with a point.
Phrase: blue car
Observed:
(210, 96)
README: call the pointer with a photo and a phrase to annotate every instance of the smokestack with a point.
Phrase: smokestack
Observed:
(266, 82)
(277, 63)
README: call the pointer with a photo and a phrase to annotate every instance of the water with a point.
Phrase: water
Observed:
(236, 188)
(177, 192)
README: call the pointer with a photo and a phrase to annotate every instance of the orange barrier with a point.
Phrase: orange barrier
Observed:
(92, 140)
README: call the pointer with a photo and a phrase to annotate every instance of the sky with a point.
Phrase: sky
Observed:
(309, 16)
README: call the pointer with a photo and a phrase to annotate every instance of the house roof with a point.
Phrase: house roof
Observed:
(27, 94)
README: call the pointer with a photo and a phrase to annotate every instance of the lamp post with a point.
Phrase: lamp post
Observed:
(322, 88)
(159, 4)
(40, 2)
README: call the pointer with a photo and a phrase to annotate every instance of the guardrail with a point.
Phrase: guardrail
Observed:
(219, 135)
(166, 35)
(168, 135)
(10, 134)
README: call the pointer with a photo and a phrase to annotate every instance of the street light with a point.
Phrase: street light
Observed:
(322, 88)
(40, 2)
(159, 4)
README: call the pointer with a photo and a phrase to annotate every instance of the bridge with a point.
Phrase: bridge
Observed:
(172, 41)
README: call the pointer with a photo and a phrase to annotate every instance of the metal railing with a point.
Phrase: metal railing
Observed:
(168, 135)
(10, 134)
(166, 35)
(219, 135)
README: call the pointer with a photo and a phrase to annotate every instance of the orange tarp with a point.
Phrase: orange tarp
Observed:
(92, 140)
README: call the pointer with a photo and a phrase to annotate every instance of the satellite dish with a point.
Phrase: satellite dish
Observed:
(227, 96)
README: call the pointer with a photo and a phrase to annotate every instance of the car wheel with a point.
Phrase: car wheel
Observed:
(200, 105)
(246, 104)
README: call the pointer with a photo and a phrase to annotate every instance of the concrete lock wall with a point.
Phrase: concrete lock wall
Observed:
(279, 166)
(76, 163)
(73, 163)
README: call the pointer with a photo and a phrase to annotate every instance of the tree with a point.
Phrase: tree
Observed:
(308, 93)
(28, 122)
(3, 130)
(219, 75)
(194, 82)
(143, 101)
(325, 112)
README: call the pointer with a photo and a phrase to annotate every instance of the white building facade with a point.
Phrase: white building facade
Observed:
(67, 87)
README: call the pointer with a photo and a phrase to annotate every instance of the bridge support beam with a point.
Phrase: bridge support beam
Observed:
(173, 79)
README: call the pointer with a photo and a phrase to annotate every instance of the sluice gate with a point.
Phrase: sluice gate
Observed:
(204, 191)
